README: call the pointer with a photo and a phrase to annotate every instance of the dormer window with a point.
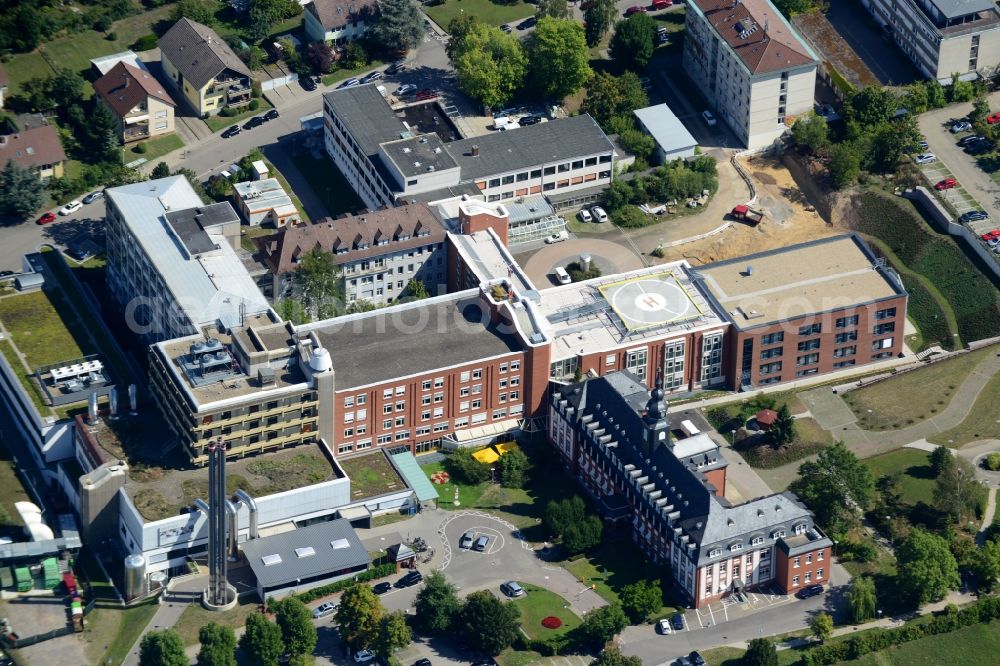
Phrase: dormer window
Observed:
(715, 552)
(756, 541)
(800, 528)
(777, 534)
(736, 546)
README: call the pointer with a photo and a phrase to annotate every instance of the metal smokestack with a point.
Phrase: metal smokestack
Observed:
(113, 398)
(585, 261)
(132, 398)
(92, 409)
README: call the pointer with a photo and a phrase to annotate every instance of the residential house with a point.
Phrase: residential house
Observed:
(339, 21)
(203, 68)
(138, 101)
(37, 148)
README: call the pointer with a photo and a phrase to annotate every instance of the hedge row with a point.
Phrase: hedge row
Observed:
(970, 294)
(380, 571)
(982, 611)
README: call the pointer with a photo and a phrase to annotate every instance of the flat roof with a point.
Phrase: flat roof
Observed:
(665, 128)
(207, 286)
(582, 320)
(956, 8)
(409, 339)
(367, 116)
(305, 552)
(263, 194)
(419, 155)
(410, 470)
(791, 282)
(483, 252)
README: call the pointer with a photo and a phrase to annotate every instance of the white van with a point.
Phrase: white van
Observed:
(562, 276)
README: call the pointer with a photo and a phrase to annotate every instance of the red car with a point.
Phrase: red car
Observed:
(634, 9)
(995, 118)
(47, 217)
(424, 94)
(662, 4)
(946, 184)
(990, 235)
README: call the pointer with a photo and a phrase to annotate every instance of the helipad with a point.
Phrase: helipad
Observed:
(650, 300)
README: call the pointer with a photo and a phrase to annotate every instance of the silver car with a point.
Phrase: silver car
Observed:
(925, 158)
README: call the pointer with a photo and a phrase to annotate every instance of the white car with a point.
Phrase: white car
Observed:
(324, 609)
(585, 215)
(363, 656)
(663, 626)
(961, 126)
(70, 208)
(557, 238)
(599, 214)
(925, 158)
(709, 118)
(406, 89)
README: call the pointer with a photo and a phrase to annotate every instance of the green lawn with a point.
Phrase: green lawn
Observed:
(912, 396)
(155, 148)
(24, 67)
(490, 13)
(612, 567)
(219, 122)
(38, 330)
(982, 421)
(11, 489)
(328, 184)
(917, 479)
(116, 629)
(7, 349)
(195, 617)
(810, 438)
(977, 645)
(539, 604)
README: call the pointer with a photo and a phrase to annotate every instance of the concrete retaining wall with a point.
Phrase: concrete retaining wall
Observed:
(942, 221)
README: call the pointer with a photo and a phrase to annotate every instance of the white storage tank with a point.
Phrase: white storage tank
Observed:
(135, 577)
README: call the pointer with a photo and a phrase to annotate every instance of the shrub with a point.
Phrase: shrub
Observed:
(254, 104)
(227, 112)
(551, 622)
(380, 571)
(140, 147)
(111, 36)
(577, 274)
(993, 461)
(144, 43)
(630, 217)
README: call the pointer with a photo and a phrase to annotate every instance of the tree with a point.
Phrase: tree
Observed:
(218, 645)
(102, 134)
(458, 28)
(558, 58)
(926, 568)
(21, 29)
(760, 652)
(598, 17)
(489, 623)
(916, 98)
(941, 459)
(960, 91)
(583, 535)
(980, 109)
(792, 7)
(21, 191)
(393, 634)
(320, 57)
(261, 15)
(514, 466)
(601, 624)
(610, 97)
(957, 493)
(161, 170)
(297, 629)
(633, 42)
(437, 606)
(66, 87)
(985, 564)
(162, 647)
(400, 27)
(937, 95)
(359, 616)
(317, 282)
(845, 164)
(821, 626)
(641, 599)
(559, 514)
(812, 133)
(202, 11)
(463, 465)
(782, 433)
(490, 64)
(871, 106)
(416, 290)
(261, 641)
(612, 656)
(637, 143)
(836, 487)
(862, 599)
(558, 9)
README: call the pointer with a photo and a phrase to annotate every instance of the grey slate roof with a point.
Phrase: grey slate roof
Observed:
(544, 143)
(956, 8)
(326, 559)
(198, 52)
(366, 116)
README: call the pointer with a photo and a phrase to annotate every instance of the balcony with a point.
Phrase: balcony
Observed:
(135, 133)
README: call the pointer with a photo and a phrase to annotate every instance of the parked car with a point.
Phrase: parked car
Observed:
(961, 126)
(71, 207)
(381, 588)
(371, 76)
(324, 609)
(993, 118)
(562, 277)
(979, 147)
(363, 656)
(481, 543)
(709, 118)
(634, 9)
(46, 218)
(307, 83)
(527, 23)
(410, 579)
(506, 28)
(557, 237)
(662, 38)
(395, 67)
(533, 119)
(663, 627)
(585, 215)
(256, 121)
(696, 658)
(465, 542)
(406, 89)
(512, 589)
(945, 184)
(422, 662)
(925, 158)
(93, 196)
(349, 83)
(424, 95)
(682, 661)
(677, 622)
(989, 235)
(810, 591)
(968, 140)
(232, 131)
(974, 216)
(271, 114)
(661, 4)
(599, 214)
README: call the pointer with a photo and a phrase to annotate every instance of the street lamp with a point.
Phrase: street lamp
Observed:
(492, 477)
(888, 529)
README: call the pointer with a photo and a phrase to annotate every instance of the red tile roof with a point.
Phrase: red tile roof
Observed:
(32, 148)
(766, 417)
(742, 23)
(124, 87)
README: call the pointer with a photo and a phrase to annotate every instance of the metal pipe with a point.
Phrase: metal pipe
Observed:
(201, 505)
(234, 526)
(242, 496)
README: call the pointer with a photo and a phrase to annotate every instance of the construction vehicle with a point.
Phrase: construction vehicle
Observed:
(747, 214)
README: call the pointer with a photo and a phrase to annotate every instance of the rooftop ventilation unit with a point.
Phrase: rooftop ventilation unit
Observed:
(307, 551)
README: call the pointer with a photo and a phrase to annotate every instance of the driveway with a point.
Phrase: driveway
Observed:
(610, 257)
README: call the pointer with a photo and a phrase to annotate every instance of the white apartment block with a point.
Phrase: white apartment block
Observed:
(944, 37)
(750, 64)
(338, 21)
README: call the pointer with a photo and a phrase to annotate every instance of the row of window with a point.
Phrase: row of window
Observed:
(444, 426)
(808, 577)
